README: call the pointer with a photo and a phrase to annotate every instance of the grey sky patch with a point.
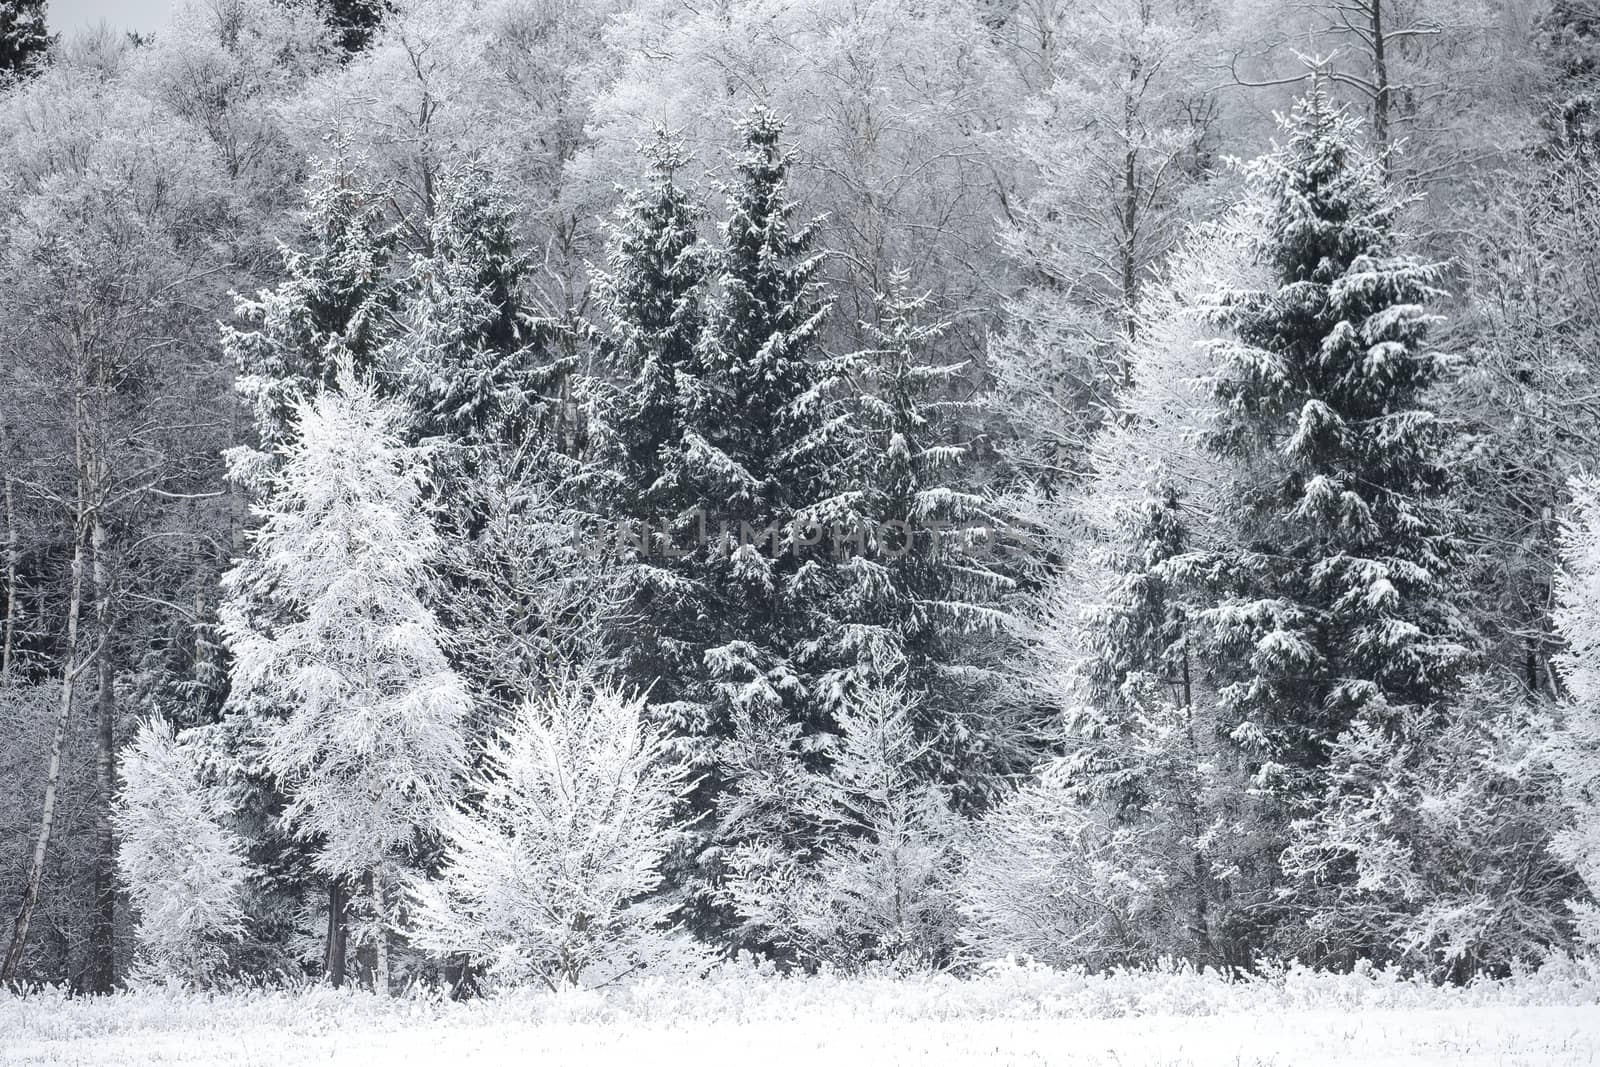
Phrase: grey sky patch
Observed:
(69, 16)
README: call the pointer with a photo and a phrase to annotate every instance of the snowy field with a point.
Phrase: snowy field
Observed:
(1010, 1016)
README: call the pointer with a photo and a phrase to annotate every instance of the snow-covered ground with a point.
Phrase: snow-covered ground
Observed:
(1011, 1016)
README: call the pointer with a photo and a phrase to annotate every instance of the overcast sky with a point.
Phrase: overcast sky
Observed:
(69, 15)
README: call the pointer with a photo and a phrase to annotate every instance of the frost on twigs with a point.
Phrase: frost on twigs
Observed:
(180, 860)
(551, 876)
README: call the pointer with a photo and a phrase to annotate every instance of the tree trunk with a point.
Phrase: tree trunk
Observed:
(1199, 867)
(52, 781)
(102, 970)
(8, 629)
(102, 967)
(1129, 253)
(380, 908)
(1380, 81)
(333, 958)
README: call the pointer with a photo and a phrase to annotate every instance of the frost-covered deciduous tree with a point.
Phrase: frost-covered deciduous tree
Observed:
(1576, 744)
(1116, 144)
(1436, 81)
(880, 886)
(110, 267)
(1527, 394)
(1046, 878)
(1435, 853)
(226, 67)
(550, 873)
(1113, 152)
(50, 766)
(328, 620)
(180, 859)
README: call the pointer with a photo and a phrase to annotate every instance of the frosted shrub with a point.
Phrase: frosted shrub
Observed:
(879, 888)
(548, 875)
(182, 863)
(1052, 880)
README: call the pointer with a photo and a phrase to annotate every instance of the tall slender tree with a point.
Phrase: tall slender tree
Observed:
(329, 620)
(651, 301)
(924, 600)
(1334, 603)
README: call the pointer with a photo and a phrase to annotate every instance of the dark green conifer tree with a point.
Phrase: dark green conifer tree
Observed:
(24, 37)
(1332, 602)
(921, 592)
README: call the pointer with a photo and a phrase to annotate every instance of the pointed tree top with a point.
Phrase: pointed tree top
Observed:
(665, 151)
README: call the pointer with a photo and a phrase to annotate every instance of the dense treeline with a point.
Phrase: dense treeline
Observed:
(517, 490)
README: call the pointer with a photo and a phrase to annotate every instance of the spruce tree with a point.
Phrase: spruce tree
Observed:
(758, 453)
(473, 357)
(755, 471)
(1566, 37)
(650, 300)
(1332, 596)
(922, 595)
(354, 22)
(755, 412)
(24, 37)
(334, 305)
(651, 304)
(485, 378)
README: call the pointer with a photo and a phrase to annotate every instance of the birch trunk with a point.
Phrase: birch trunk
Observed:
(101, 977)
(380, 907)
(8, 629)
(69, 678)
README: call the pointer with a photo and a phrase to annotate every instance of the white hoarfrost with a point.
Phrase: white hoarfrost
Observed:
(180, 860)
(1005, 1014)
(1576, 741)
(328, 619)
(548, 874)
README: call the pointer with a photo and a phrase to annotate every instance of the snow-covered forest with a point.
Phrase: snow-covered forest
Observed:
(515, 495)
